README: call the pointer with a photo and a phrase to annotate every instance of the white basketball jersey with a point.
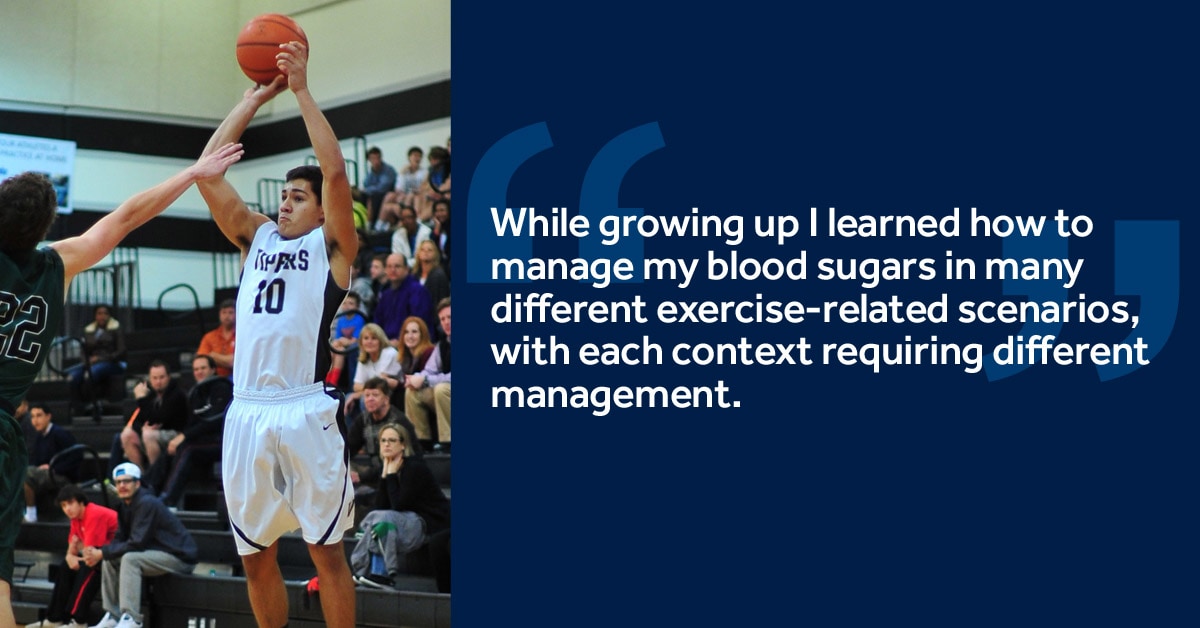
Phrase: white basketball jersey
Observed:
(286, 301)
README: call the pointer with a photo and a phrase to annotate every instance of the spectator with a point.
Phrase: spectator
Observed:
(377, 274)
(380, 179)
(409, 506)
(429, 271)
(403, 296)
(103, 353)
(436, 186)
(411, 176)
(49, 439)
(409, 233)
(429, 391)
(77, 583)
(200, 442)
(162, 413)
(441, 231)
(363, 439)
(150, 541)
(415, 348)
(344, 338)
(376, 358)
(219, 342)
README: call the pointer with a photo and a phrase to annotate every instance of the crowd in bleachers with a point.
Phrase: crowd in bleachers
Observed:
(391, 345)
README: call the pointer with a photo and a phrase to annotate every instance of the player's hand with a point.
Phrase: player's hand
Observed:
(260, 94)
(293, 61)
(215, 164)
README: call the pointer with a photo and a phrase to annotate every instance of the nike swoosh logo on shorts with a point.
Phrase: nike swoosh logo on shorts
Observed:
(327, 427)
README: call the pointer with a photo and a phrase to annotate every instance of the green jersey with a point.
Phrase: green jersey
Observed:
(31, 311)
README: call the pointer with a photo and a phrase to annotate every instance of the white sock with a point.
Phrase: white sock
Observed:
(31, 512)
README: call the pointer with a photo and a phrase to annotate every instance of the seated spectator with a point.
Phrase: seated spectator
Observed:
(408, 234)
(410, 506)
(436, 186)
(49, 439)
(162, 414)
(378, 182)
(200, 442)
(429, 391)
(429, 271)
(103, 355)
(219, 343)
(415, 348)
(76, 583)
(150, 541)
(363, 439)
(441, 232)
(344, 340)
(404, 296)
(389, 216)
(377, 279)
(409, 179)
(376, 358)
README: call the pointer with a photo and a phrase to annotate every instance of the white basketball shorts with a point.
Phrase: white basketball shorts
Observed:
(283, 464)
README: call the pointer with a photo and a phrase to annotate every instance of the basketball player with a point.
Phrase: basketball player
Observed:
(33, 288)
(284, 462)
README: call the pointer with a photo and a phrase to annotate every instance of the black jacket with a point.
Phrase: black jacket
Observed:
(146, 524)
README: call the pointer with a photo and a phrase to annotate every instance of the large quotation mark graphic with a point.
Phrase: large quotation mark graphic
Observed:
(489, 188)
(1047, 246)
(1146, 263)
(597, 198)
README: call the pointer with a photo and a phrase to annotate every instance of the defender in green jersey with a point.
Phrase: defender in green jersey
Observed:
(32, 292)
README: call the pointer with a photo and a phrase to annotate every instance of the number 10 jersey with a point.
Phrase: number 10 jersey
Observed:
(285, 304)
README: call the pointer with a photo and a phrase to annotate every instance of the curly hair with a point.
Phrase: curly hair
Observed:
(28, 206)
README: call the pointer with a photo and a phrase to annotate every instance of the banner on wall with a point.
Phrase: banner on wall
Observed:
(53, 158)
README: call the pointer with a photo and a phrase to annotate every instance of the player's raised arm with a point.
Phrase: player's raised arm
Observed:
(230, 212)
(340, 237)
(82, 251)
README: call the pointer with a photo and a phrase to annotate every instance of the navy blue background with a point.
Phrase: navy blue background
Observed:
(834, 496)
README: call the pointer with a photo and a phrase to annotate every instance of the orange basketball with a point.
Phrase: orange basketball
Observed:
(258, 43)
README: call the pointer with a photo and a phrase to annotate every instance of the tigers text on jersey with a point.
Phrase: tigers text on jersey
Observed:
(285, 303)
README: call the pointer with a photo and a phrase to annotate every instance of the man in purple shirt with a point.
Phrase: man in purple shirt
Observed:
(403, 296)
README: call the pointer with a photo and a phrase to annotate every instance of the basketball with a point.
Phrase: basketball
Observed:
(258, 43)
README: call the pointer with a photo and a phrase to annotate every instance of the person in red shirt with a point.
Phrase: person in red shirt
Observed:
(92, 525)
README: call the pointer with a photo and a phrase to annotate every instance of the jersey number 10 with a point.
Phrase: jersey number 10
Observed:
(269, 297)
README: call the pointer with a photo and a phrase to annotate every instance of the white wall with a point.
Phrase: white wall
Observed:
(176, 60)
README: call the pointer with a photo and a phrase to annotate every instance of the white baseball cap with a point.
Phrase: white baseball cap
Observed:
(127, 469)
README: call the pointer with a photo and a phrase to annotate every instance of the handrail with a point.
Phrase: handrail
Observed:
(195, 305)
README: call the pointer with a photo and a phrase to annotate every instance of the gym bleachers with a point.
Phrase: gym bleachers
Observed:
(216, 590)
